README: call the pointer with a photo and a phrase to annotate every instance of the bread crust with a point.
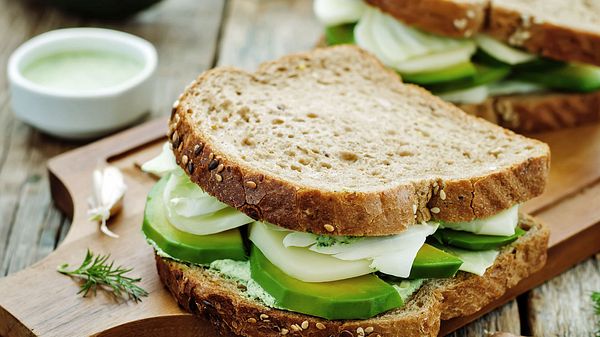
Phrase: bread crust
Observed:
(221, 301)
(543, 38)
(539, 112)
(449, 18)
(267, 197)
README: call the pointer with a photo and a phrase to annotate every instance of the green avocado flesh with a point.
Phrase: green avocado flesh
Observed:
(539, 64)
(199, 249)
(341, 34)
(459, 71)
(355, 298)
(569, 77)
(434, 263)
(471, 241)
(485, 69)
(484, 74)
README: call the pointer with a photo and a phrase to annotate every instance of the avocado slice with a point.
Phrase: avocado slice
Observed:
(471, 241)
(355, 298)
(344, 34)
(199, 249)
(340, 34)
(569, 77)
(434, 263)
(485, 73)
(452, 73)
(539, 64)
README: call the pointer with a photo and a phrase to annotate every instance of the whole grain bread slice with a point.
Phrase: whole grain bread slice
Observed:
(332, 142)
(562, 30)
(205, 293)
(539, 112)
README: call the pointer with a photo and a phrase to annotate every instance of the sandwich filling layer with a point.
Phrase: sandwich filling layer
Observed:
(334, 277)
(460, 70)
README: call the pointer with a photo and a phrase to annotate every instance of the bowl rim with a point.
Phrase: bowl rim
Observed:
(42, 41)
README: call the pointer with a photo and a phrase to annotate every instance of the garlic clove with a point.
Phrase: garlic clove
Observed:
(108, 191)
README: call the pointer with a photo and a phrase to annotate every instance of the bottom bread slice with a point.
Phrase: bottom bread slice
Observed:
(539, 112)
(205, 293)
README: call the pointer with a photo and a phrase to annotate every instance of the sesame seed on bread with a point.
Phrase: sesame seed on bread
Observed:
(225, 304)
(332, 142)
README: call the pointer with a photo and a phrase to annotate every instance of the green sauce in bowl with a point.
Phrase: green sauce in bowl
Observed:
(84, 70)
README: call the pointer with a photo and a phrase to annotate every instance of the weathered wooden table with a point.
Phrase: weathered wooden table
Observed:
(192, 36)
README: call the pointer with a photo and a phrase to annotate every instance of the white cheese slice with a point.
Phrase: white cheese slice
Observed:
(502, 51)
(187, 199)
(392, 255)
(189, 208)
(163, 163)
(407, 49)
(365, 37)
(437, 61)
(301, 263)
(335, 12)
(510, 87)
(299, 239)
(194, 211)
(411, 39)
(503, 223)
(374, 246)
(474, 95)
(212, 223)
(388, 41)
(475, 262)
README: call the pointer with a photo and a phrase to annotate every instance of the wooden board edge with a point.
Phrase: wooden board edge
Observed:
(184, 325)
(11, 326)
(61, 166)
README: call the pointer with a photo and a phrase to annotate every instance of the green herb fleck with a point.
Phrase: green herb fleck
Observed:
(330, 240)
(325, 240)
(96, 272)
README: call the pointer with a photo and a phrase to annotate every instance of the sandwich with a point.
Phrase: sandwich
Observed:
(321, 196)
(526, 65)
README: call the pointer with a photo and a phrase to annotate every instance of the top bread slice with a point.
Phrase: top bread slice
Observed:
(332, 142)
(562, 30)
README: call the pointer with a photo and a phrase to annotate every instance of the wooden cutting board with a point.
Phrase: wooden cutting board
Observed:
(38, 301)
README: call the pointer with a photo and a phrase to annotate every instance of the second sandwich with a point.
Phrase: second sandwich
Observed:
(527, 65)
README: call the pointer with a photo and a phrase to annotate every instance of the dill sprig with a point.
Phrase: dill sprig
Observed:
(596, 299)
(96, 272)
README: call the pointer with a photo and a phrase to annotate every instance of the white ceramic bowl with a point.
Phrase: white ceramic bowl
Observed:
(82, 114)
